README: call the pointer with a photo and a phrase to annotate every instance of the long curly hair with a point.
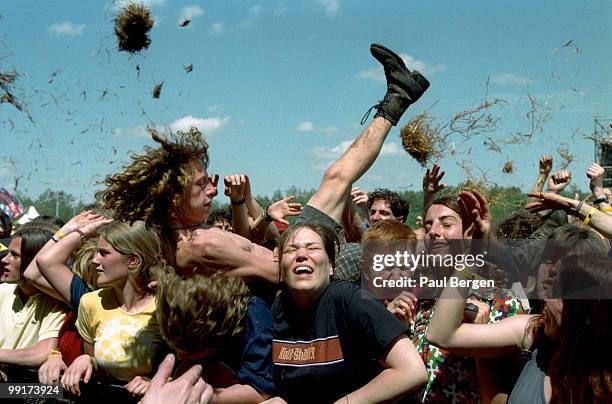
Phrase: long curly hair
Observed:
(153, 184)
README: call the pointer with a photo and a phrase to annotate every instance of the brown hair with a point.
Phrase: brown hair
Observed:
(200, 312)
(579, 376)
(328, 236)
(153, 184)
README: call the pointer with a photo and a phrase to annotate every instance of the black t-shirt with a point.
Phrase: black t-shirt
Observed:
(331, 349)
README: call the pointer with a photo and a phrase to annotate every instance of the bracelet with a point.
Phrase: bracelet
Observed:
(577, 210)
(83, 235)
(587, 219)
(268, 218)
(601, 200)
(58, 235)
(238, 203)
(606, 210)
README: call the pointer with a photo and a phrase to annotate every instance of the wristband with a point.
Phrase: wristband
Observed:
(238, 203)
(601, 200)
(606, 210)
(58, 236)
(577, 210)
(268, 218)
(587, 219)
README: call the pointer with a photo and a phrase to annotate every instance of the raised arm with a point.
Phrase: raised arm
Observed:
(52, 262)
(431, 184)
(589, 215)
(235, 190)
(595, 173)
(40, 280)
(403, 88)
(546, 162)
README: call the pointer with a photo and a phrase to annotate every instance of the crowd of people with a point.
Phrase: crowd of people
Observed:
(151, 291)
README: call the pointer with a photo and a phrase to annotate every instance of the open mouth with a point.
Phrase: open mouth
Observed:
(302, 270)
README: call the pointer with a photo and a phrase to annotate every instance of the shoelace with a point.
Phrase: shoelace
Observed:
(367, 114)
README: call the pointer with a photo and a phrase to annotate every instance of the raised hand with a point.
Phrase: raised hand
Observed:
(475, 208)
(360, 198)
(279, 210)
(431, 180)
(559, 180)
(235, 186)
(546, 162)
(596, 173)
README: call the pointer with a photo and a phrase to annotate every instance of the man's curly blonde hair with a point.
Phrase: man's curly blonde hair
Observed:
(200, 312)
(153, 184)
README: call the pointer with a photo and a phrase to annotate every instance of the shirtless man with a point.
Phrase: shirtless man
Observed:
(169, 187)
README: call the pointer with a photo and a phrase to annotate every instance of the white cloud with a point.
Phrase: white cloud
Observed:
(66, 28)
(205, 125)
(216, 28)
(189, 13)
(308, 126)
(509, 78)
(322, 152)
(411, 62)
(304, 126)
(390, 149)
(331, 6)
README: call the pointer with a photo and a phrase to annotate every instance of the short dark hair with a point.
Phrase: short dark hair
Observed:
(331, 243)
(399, 206)
(33, 238)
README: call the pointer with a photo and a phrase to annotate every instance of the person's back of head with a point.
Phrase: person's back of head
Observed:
(201, 312)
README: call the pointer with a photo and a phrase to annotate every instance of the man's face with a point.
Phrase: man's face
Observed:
(11, 262)
(198, 196)
(381, 210)
(443, 230)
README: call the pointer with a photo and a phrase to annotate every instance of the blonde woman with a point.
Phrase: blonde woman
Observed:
(118, 325)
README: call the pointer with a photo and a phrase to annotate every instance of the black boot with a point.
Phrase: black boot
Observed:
(403, 86)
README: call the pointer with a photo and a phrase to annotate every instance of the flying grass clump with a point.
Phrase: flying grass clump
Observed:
(508, 167)
(420, 139)
(132, 28)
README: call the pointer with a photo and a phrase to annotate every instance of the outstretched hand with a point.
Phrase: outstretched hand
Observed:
(549, 200)
(475, 209)
(279, 210)
(431, 180)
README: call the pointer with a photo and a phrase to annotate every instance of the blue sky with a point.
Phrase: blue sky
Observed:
(279, 87)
